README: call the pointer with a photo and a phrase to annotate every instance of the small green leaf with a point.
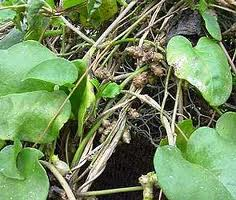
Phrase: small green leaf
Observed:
(111, 90)
(205, 170)
(35, 185)
(95, 83)
(205, 66)
(211, 24)
(7, 15)
(26, 116)
(57, 71)
(8, 156)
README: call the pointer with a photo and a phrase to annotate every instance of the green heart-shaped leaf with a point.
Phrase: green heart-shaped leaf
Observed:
(25, 116)
(205, 66)
(30, 57)
(205, 171)
(35, 184)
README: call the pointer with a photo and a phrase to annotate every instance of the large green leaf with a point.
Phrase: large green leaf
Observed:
(35, 184)
(57, 71)
(205, 171)
(25, 116)
(205, 66)
(17, 61)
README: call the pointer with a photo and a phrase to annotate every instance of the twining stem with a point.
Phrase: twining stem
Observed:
(175, 109)
(60, 178)
(148, 100)
(165, 93)
(83, 143)
(13, 7)
(53, 33)
(93, 130)
(135, 73)
(228, 57)
(76, 30)
(112, 191)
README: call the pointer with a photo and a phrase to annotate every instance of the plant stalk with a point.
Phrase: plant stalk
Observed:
(112, 191)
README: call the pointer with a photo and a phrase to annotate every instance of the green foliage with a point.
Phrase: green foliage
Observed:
(57, 71)
(51, 3)
(37, 23)
(184, 131)
(8, 157)
(93, 12)
(83, 98)
(7, 15)
(110, 90)
(93, 5)
(226, 126)
(211, 24)
(106, 90)
(71, 3)
(205, 170)
(26, 106)
(90, 16)
(23, 163)
(187, 128)
(13, 37)
(205, 66)
(26, 115)
(20, 59)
